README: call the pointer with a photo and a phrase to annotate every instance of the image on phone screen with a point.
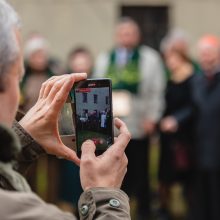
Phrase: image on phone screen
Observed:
(93, 113)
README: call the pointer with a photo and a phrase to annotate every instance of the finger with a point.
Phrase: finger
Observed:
(124, 134)
(61, 96)
(78, 76)
(57, 85)
(69, 154)
(50, 84)
(123, 139)
(59, 100)
(88, 151)
(46, 86)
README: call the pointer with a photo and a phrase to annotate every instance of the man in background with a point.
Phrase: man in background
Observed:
(138, 81)
(206, 101)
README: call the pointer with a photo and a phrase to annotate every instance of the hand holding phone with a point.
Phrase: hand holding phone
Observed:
(109, 169)
(42, 119)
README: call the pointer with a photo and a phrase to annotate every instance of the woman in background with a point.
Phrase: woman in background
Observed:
(38, 69)
(176, 128)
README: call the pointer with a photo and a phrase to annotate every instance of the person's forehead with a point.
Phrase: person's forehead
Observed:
(204, 49)
(127, 27)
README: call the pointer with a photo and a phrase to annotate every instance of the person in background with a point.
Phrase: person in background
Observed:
(176, 129)
(177, 39)
(101, 177)
(206, 103)
(37, 69)
(80, 60)
(136, 72)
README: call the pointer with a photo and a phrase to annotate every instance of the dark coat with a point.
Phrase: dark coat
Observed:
(206, 101)
(175, 152)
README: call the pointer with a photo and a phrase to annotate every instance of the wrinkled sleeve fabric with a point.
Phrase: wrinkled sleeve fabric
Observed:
(104, 204)
(30, 151)
(28, 206)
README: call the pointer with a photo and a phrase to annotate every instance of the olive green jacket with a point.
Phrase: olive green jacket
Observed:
(19, 203)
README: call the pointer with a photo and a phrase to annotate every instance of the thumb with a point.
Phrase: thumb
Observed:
(69, 154)
(88, 150)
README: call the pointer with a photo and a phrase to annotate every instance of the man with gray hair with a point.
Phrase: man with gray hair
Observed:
(206, 111)
(101, 177)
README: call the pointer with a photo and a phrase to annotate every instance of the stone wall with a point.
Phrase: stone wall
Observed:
(68, 23)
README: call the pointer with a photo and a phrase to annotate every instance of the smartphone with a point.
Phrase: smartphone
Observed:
(93, 118)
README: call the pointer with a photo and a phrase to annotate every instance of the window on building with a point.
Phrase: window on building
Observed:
(107, 100)
(95, 99)
(85, 97)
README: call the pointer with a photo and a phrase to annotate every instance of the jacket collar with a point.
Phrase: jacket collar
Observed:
(9, 148)
(9, 144)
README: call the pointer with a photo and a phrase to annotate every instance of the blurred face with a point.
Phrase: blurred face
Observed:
(173, 61)
(81, 63)
(38, 60)
(9, 99)
(127, 35)
(182, 46)
(209, 58)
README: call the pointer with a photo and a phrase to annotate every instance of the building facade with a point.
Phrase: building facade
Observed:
(69, 23)
(95, 100)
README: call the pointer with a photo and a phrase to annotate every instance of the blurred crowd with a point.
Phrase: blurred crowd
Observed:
(168, 94)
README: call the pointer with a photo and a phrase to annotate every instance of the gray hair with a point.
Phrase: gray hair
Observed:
(174, 36)
(128, 20)
(9, 21)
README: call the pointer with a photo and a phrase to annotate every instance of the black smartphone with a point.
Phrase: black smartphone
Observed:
(92, 100)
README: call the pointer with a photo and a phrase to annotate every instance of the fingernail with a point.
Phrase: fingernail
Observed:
(89, 141)
(84, 74)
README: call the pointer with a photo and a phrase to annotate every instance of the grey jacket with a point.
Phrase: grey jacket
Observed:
(19, 203)
(148, 103)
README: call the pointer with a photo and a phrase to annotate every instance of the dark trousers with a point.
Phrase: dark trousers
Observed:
(136, 182)
(206, 196)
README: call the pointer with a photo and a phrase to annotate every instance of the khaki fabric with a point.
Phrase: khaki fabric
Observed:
(99, 203)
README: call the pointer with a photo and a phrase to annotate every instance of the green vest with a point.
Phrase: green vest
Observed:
(127, 77)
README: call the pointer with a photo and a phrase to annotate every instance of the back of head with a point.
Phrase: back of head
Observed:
(9, 21)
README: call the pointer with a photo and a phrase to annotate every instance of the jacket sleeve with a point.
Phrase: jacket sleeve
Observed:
(28, 206)
(104, 204)
(30, 151)
(97, 204)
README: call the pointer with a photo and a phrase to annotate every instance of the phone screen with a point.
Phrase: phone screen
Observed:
(93, 113)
